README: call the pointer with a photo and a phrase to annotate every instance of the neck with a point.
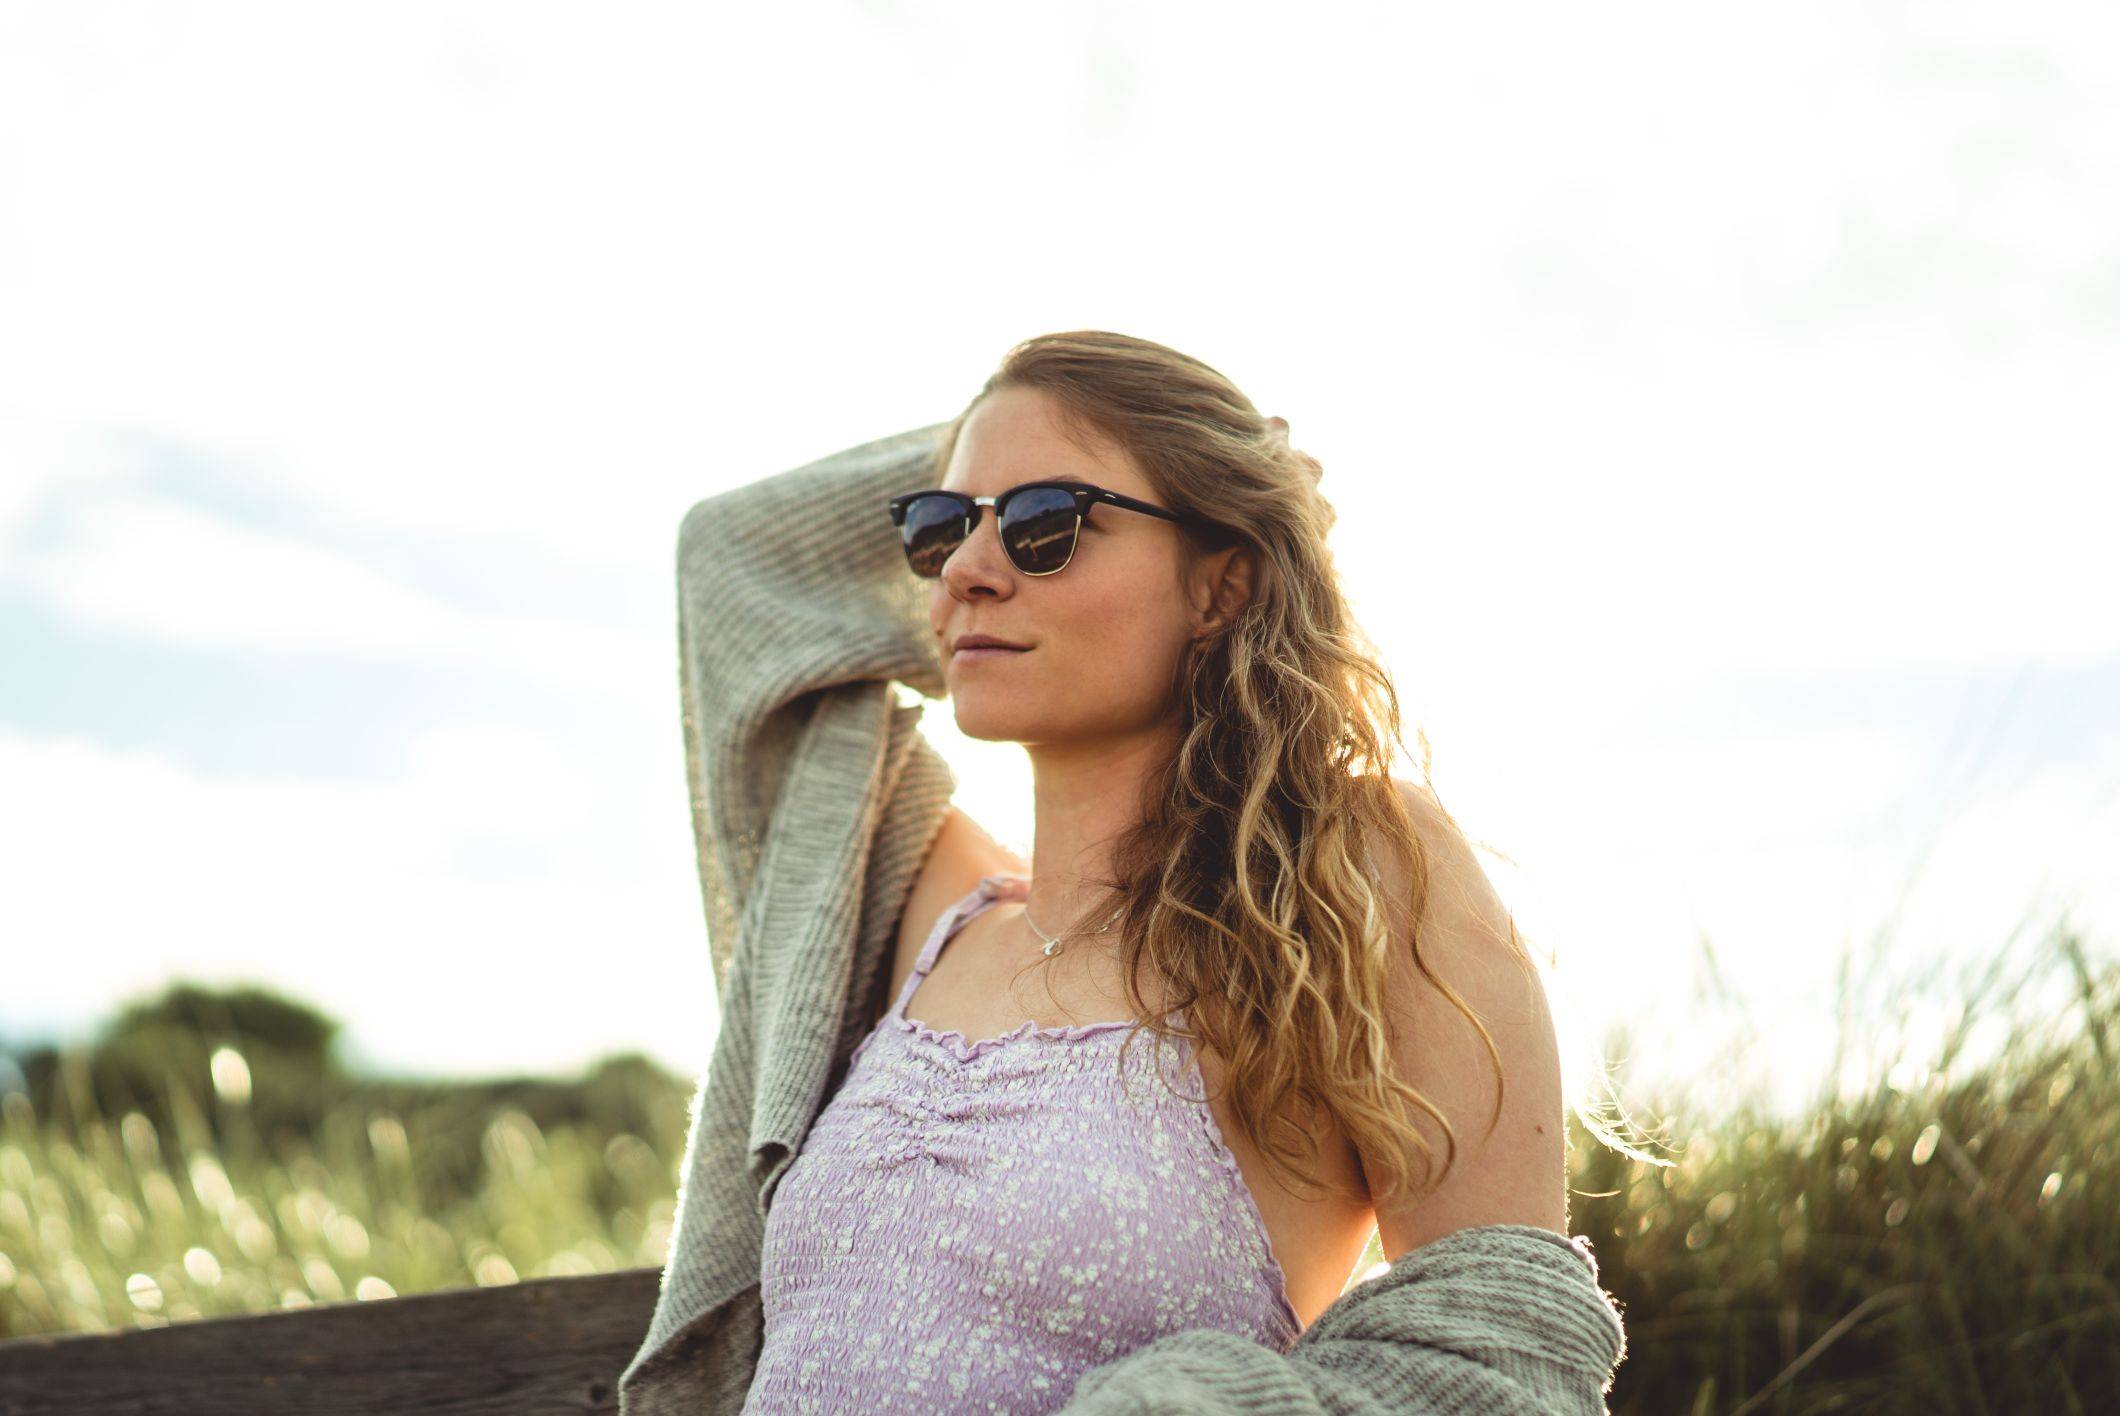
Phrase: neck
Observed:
(1087, 794)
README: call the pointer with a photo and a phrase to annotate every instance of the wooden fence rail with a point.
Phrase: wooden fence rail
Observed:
(544, 1345)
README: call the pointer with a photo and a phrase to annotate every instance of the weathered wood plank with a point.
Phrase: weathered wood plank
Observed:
(545, 1345)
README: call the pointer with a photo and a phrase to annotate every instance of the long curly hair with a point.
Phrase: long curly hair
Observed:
(1246, 883)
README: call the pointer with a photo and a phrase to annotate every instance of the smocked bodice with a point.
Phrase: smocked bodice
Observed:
(970, 1226)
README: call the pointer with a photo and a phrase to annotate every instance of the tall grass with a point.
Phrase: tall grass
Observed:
(114, 1221)
(1945, 1238)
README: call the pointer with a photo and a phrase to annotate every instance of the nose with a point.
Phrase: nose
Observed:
(979, 563)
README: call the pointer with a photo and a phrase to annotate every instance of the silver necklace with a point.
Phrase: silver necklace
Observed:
(1052, 942)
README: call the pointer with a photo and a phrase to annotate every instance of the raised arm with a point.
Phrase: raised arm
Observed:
(787, 585)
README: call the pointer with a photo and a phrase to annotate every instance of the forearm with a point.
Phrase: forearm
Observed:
(787, 585)
(797, 580)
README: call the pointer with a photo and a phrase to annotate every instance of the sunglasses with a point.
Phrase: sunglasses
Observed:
(1040, 522)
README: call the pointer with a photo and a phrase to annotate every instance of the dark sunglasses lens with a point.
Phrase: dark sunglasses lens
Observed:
(1038, 530)
(934, 526)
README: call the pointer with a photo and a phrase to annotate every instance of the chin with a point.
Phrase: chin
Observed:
(989, 721)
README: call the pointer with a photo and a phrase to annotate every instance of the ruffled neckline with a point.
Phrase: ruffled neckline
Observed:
(956, 1044)
(1011, 885)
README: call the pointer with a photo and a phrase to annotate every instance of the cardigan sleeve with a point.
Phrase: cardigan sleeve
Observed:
(1491, 1320)
(787, 586)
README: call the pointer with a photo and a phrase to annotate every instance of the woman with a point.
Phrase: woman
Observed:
(1125, 570)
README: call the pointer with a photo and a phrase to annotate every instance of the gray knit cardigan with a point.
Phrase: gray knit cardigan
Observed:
(815, 799)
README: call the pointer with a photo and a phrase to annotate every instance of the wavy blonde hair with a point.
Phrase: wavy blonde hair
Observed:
(1245, 883)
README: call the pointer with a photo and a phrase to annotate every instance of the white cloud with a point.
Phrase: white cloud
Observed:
(164, 570)
(508, 902)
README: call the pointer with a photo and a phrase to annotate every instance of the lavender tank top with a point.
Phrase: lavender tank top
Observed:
(971, 1227)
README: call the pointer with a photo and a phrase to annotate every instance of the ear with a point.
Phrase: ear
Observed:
(1222, 585)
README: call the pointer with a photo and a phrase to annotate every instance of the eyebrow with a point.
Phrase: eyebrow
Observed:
(1071, 482)
(1062, 481)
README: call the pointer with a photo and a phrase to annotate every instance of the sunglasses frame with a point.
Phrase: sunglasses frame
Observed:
(1086, 495)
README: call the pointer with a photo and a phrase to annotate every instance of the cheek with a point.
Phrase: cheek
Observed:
(1117, 629)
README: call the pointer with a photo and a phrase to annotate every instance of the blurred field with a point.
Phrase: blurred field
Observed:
(1946, 1239)
(209, 1157)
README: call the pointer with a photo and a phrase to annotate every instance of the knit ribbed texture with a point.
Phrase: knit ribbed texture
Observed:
(815, 800)
(1492, 1320)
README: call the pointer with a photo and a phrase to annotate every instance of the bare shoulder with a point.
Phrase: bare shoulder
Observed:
(963, 852)
(1511, 1166)
(1451, 859)
(1467, 931)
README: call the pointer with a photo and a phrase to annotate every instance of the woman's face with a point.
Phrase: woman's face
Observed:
(1105, 634)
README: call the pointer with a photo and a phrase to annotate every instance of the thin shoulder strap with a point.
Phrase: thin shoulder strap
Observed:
(945, 926)
(955, 915)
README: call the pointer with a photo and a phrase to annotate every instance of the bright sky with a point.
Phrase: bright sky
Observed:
(1717, 405)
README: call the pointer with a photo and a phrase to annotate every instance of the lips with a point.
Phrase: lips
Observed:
(971, 654)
